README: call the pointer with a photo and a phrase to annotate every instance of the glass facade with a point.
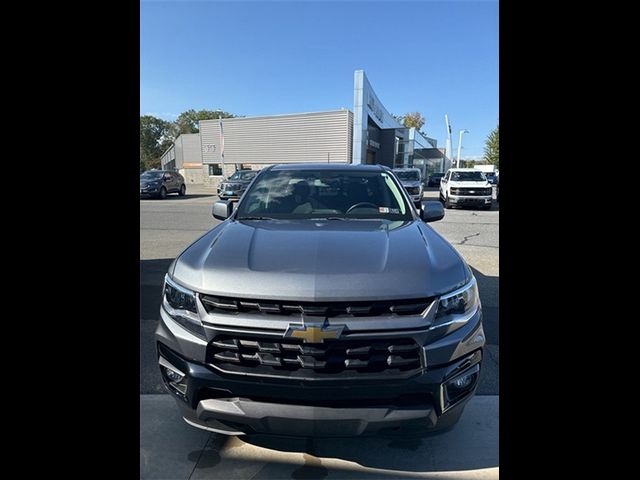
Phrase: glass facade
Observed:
(416, 151)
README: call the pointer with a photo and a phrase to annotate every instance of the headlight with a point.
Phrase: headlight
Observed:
(180, 304)
(456, 308)
(179, 297)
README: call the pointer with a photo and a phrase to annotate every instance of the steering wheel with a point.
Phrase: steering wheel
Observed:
(361, 204)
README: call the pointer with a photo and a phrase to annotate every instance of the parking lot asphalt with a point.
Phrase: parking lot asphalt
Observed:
(171, 449)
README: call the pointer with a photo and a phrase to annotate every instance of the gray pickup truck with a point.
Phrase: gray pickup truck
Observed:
(323, 305)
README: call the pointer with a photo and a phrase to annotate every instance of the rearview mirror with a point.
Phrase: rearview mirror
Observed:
(432, 211)
(222, 209)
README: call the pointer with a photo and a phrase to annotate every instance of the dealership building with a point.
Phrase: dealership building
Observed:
(368, 135)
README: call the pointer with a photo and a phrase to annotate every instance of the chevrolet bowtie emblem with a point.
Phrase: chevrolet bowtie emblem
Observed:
(314, 333)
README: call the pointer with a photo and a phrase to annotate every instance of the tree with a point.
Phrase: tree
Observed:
(413, 120)
(187, 122)
(155, 138)
(491, 148)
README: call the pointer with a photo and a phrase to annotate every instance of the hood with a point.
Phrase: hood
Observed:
(478, 184)
(309, 260)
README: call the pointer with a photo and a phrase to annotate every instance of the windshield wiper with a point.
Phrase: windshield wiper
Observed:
(256, 218)
(328, 218)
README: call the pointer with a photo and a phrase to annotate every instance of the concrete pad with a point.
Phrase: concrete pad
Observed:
(169, 448)
(471, 445)
(469, 451)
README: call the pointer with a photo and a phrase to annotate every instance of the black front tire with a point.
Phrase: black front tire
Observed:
(447, 203)
(183, 190)
(162, 194)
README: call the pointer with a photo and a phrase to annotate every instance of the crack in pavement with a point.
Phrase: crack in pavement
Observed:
(468, 237)
(474, 245)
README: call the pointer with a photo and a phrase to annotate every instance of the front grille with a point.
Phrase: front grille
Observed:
(292, 357)
(413, 190)
(470, 191)
(229, 305)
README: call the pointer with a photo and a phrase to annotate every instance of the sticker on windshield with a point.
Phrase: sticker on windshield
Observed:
(388, 210)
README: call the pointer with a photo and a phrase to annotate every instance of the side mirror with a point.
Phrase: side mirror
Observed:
(222, 209)
(432, 211)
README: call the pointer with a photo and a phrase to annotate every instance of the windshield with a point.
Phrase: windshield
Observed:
(307, 194)
(243, 175)
(408, 175)
(150, 175)
(437, 175)
(468, 177)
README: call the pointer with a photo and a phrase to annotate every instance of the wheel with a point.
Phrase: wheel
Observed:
(418, 205)
(163, 193)
(447, 203)
(183, 190)
(486, 207)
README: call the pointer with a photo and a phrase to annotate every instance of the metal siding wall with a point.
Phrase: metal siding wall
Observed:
(350, 137)
(168, 156)
(210, 141)
(191, 150)
(178, 146)
(306, 137)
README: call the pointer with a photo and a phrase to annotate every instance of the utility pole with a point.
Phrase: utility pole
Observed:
(448, 149)
(460, 146)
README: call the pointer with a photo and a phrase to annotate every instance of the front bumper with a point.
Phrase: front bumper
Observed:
(232, 193)
(479, 200)
(236, 404)
(149, 192)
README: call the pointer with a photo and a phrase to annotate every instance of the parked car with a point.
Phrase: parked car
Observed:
(411, 179)
(492, 178)
(322, 305)
(159, 183)
(434, 179)
(465, 186)
(236, 184)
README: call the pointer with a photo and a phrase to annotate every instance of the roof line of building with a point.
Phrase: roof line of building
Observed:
(277, 115)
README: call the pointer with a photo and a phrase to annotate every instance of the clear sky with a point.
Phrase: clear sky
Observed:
(273, 57)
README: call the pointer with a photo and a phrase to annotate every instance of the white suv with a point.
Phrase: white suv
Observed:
(465, 186)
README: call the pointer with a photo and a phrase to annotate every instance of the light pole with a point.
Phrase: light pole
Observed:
(460, 146)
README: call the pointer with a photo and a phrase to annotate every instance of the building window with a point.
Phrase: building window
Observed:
(215, 169)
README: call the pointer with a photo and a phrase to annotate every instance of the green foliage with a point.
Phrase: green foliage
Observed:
(413, 120)
(154, 139)
(187, 122)
(492, 148)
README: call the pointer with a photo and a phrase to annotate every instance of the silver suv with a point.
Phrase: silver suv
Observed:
(323, 305)
(412, 181)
